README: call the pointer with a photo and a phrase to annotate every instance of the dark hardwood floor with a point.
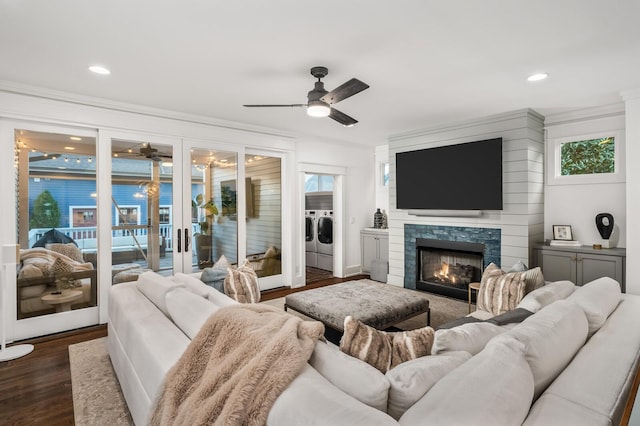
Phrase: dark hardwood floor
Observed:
(36, 389)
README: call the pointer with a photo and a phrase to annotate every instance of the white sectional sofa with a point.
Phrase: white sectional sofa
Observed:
(572, 362)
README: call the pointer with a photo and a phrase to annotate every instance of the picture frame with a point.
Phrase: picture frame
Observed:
(562, 232)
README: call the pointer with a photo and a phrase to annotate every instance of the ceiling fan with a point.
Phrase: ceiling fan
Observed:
(320, 101)
(146, 151)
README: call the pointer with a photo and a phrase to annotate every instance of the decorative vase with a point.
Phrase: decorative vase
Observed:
(385, 220)
(377, 219)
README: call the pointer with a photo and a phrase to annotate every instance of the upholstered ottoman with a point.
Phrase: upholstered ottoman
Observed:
(375, 304)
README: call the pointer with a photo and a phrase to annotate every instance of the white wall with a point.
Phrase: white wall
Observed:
(632, 131)
(521, 219)
(382, 192)
(578, 204)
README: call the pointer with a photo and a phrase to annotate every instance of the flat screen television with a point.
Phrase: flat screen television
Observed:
(466, 176)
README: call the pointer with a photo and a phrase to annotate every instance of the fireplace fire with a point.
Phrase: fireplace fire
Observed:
(447, 267)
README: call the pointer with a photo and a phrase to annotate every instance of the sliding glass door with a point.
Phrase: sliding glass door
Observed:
(55, 286)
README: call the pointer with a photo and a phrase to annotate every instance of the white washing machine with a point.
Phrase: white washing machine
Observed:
(324, 239)
(310, 240)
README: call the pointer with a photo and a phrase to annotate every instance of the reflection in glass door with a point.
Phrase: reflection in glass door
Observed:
(214, 208)
(142, 200)
(56, 230)
(264, 217)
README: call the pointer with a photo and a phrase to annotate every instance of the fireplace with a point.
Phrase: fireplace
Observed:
(447, 267)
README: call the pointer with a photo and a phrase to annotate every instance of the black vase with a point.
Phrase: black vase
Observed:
(377, 219)
(604, 223)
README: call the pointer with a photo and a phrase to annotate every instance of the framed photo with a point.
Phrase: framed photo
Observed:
(562, 232)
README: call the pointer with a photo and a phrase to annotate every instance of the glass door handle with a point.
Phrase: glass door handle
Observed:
(179, 240)
(186, 240)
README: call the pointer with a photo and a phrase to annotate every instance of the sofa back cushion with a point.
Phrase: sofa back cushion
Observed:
(471, 337)
(549, 293)
(494, 387)
(352, 376)
(551, 338)
(188, 310)
(499, 291)
(598, 299)
(410, 380)
(155, 287)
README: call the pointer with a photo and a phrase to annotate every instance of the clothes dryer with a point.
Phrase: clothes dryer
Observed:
(324, 244)
(310, 239)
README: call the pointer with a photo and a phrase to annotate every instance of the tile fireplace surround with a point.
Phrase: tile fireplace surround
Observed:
(490, 237)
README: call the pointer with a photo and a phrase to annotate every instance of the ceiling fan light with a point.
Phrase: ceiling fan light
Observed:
(318, 109)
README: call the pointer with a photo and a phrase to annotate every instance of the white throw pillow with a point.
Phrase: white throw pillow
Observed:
(598, 299)
(551, 337)
(354, 377)
(155, 287)
(494, 387)
(188, 310)
(412, 379)
(471, 337)
(543, 296)
(192, 284)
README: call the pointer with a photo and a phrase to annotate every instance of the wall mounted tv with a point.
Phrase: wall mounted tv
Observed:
(466, 176)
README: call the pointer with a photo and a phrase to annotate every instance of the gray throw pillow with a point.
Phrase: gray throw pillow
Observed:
(214, 278)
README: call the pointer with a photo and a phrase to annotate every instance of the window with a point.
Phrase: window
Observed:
(587, 159)
(384, 173)
(318, 183)
(127, 215)
(83, 216)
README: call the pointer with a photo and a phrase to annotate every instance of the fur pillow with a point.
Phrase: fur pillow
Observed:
(384, 350)
(70, 250)
(242, 284)
(500, 292)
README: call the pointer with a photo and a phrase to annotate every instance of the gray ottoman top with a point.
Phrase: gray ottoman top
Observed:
(375, 304)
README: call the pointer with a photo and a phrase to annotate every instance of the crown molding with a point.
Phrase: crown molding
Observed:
(582, 114)
(56, 95)
(629, 95)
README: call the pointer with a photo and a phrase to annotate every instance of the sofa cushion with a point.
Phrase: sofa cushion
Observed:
(500, 292)
(494, 387)
(312, 400)
(61, 267)
(70, 250)
(533, 279)
(551, 338)
(601, 375)
(188, 310)
(352, 376)
(470, 338)
(155, 287)
(549, 409)
(597, 299)
(412, 379)
(215, 275)
(192, 284)
(153, 344)
(381, 349)
(242, 284)
(541, 297)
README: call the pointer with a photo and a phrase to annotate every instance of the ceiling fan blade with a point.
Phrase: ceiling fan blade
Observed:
(344, 91)
(342, 118)
(274, 106)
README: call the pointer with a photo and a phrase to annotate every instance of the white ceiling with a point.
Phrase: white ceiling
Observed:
(427, 62)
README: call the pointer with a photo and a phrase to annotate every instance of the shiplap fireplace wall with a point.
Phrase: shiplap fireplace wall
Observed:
(522, 219)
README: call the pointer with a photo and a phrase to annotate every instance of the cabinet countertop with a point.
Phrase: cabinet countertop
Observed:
(376, 230)
(618, 251)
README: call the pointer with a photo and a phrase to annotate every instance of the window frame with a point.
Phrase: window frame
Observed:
(554, 176)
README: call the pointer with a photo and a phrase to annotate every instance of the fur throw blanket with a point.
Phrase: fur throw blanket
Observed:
(237, 365)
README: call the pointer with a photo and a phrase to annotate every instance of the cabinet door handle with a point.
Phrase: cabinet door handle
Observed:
(179, 240)
(186, 240)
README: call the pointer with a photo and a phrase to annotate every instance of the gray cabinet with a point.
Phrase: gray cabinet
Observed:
(580, 264)
(374, 244)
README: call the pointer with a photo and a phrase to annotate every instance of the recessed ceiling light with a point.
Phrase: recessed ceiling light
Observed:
(70, 148)
(75, 138)
(99, 70)
(537, 77)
